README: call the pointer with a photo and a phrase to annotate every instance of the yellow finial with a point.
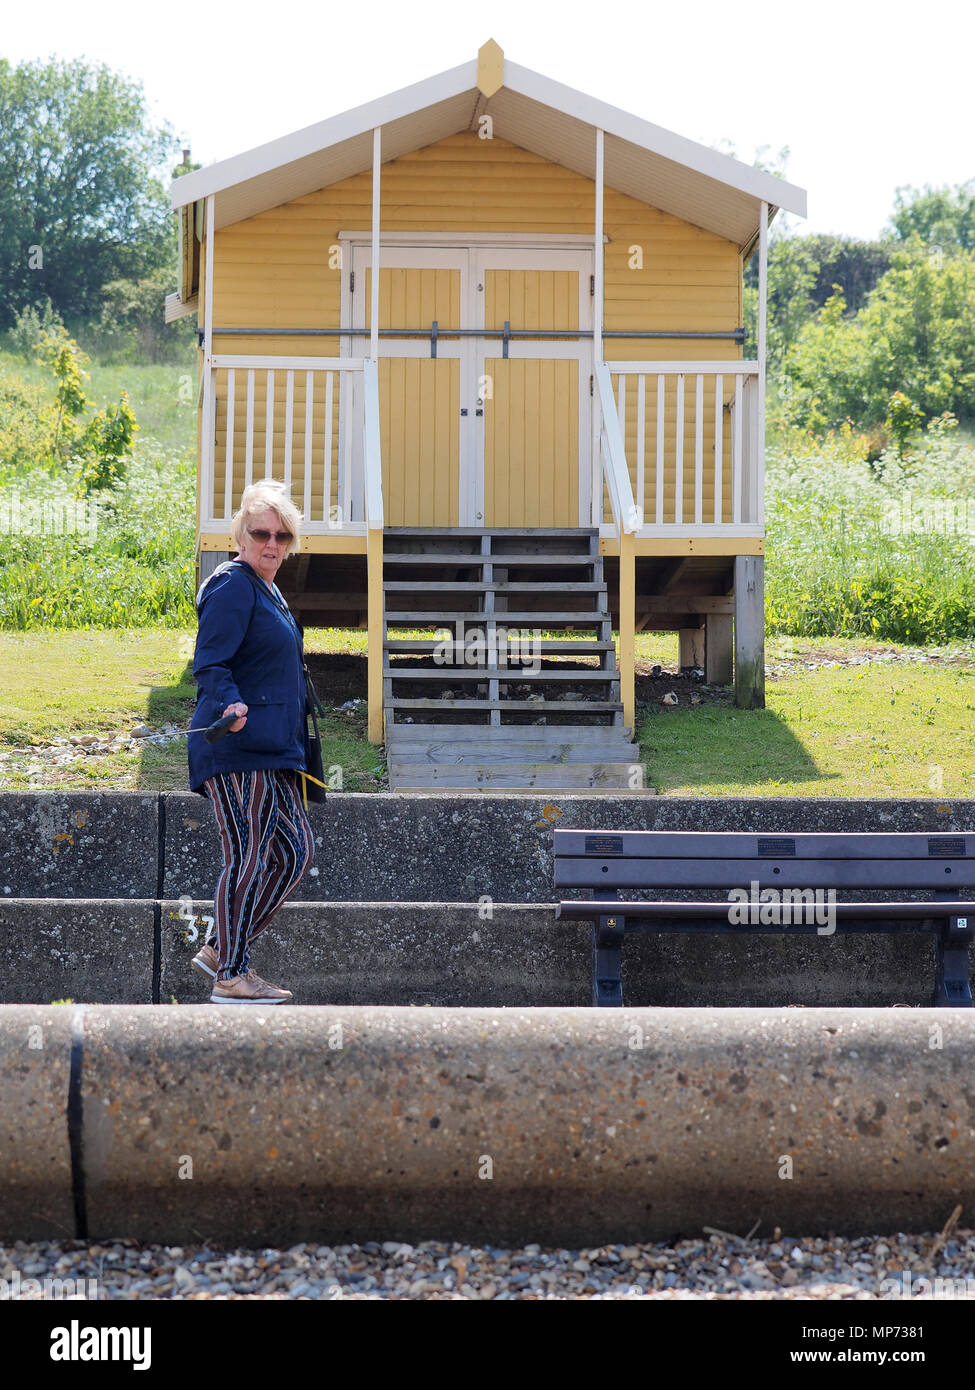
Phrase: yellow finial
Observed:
(490, 68)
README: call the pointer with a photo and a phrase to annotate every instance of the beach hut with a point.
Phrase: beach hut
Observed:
(532, 429)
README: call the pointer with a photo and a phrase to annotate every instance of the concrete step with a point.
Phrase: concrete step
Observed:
(369, 846)
(459, 954)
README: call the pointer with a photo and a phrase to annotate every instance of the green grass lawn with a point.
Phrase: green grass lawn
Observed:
(889, 728)
(886, 730)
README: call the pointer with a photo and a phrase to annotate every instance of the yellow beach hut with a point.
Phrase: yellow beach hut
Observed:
(532, 428)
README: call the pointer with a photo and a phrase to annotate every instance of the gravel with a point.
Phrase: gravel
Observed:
(713, 1266)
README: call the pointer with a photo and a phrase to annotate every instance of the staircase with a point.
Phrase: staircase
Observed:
(508, 677)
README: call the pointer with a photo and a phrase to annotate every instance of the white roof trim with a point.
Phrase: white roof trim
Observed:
(261, 160)
(176, 309)
(459, 82)
(648, 136)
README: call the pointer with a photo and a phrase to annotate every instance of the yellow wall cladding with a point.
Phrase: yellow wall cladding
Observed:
(274, 270)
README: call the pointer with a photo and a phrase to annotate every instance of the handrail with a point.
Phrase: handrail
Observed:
(613, 451)
(372, 458)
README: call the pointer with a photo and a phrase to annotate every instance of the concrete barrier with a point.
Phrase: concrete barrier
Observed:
(565, 1126)
(80, 844)
(385, 847)
(102, 951)
(444, 954)
(36, 1187)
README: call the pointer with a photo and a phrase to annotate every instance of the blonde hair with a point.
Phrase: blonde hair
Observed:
(268, 492)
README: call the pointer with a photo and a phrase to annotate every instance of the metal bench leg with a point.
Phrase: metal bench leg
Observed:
(607, 962)
(951, 986)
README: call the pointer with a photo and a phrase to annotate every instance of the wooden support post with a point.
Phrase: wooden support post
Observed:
(377, 624)
(718, 649)
(377, 159)
(750, 631)
(690, 647)
(628, 626)
(598, 259)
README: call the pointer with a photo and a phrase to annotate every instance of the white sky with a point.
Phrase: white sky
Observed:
(867, 94)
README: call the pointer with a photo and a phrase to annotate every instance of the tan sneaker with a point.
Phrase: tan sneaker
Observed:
(207, 962)
(248, 989)
(253, 975)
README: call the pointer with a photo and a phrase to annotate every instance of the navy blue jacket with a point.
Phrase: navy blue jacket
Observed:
(247, 650)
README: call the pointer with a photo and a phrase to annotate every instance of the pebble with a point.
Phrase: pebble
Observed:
(708, 1267)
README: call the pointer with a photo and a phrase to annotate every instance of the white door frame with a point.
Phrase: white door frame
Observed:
(417, 258)
(473, 254)
(501, 257)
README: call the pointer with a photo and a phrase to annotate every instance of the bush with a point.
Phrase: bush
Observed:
(861, 550)
(29, 325)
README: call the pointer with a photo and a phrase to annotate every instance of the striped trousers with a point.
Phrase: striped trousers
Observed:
(267, 845)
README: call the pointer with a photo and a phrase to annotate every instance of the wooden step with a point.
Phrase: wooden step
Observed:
(474, 753)
(514, 776)
(498, 560)
(480, 586)
(417, 617)
(504, 674)
(512, 706)
(547, 646)
(530, 532)
(491, 734)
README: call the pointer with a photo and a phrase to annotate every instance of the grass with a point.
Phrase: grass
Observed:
(60, 684)
(897, 728)
(886, 730)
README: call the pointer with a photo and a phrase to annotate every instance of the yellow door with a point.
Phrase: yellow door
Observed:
(535, 449)
(419, 395)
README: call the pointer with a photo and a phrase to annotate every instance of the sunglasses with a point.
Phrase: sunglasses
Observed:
(265, 536)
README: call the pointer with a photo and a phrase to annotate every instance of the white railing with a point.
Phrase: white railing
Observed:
(298, 419)
(690, 435)
(371, 456)
(626, 516)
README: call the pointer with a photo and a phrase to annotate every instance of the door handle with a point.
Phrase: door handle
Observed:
(478, 412)
(463, 410)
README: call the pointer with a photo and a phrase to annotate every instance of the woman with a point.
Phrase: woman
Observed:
(249, 662)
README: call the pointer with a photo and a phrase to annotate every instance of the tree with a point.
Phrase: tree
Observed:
(938, 217)
(855, 266)
(915, 335)
(81, 200)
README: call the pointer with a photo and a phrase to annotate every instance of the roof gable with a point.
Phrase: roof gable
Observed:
(649, 163)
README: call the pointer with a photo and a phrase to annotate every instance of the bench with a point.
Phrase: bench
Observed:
(776, 883)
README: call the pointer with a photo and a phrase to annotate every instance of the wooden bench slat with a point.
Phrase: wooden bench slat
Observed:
(589, 911)
(727, 844)
(783, 873)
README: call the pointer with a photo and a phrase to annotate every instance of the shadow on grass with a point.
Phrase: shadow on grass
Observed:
(717, 745)
(352, 763)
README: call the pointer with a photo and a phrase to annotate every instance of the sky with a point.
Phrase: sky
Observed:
(867, 95)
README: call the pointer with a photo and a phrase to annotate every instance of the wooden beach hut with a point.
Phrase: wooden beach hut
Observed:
(533, 427)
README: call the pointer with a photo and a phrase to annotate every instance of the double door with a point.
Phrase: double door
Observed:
(479, 429)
